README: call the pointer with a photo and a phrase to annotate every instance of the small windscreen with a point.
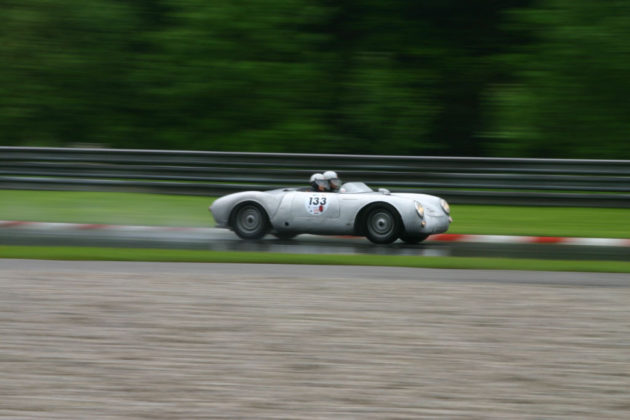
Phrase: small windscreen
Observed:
(355, 187)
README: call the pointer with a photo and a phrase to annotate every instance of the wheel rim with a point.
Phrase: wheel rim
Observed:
(249, 219)
(381, 223)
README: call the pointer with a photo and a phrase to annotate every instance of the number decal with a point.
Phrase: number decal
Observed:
(316, 204)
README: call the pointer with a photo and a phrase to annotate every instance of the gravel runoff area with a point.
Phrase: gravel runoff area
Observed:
(165, 341)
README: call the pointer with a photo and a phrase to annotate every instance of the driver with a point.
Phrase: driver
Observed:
(319, 183)
(333, 180)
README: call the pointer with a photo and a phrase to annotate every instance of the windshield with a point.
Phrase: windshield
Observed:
(355, 187)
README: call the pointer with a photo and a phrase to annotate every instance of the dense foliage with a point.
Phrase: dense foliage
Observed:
(454, 77)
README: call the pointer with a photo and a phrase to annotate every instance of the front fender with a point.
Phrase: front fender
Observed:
(435, 221)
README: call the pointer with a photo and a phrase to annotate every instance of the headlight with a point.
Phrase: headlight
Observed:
(419, 209)
(445, 206)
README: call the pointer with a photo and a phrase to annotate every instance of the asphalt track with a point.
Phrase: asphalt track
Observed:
(116, 340)
(223, 240)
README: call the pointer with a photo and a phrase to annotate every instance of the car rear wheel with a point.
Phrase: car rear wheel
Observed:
(382, 225)
(250, 222)
(285, 236)
(413, 239)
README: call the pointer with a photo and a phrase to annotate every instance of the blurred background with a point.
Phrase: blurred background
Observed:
(487, 78)
(441, 78)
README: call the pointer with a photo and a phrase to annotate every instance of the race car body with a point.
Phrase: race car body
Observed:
(356, 209)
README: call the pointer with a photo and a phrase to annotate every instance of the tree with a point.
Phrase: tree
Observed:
(60, 81)
(570, 96)
(230, 75)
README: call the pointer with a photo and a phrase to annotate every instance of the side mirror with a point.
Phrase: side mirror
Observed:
(384, 191)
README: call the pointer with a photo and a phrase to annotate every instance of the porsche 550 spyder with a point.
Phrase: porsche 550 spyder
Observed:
(355, 209)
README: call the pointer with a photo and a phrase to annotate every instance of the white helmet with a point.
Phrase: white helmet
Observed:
(318, 182)
(333, 180)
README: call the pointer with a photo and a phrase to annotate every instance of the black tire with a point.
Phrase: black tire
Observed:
(413, 239)
(285, 236)
(382, 225)
(250, 221)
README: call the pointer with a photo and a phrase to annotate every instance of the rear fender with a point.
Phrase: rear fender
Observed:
(223, 208)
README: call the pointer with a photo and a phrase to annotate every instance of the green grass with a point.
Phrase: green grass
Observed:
(117, 254)
(105, 208)
(177, 210)
(541, 221)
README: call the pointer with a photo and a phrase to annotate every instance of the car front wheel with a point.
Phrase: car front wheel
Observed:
(413, 239)
(382, 225)
(250, 222)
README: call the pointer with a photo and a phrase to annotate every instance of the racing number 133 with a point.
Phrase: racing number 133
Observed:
(314, 201)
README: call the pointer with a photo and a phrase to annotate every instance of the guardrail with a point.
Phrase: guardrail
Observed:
(553, 182)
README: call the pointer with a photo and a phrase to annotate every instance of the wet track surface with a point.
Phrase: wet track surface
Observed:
(223, 240)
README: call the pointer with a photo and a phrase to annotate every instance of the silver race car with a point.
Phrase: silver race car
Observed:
(354, 210)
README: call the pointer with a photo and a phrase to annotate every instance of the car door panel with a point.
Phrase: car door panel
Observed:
(315, 212)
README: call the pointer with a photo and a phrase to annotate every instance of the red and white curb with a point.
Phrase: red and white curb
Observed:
(444, 237)
(505, 239)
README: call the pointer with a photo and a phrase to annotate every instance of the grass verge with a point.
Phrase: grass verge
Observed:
(105, 208)
(167, 255)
